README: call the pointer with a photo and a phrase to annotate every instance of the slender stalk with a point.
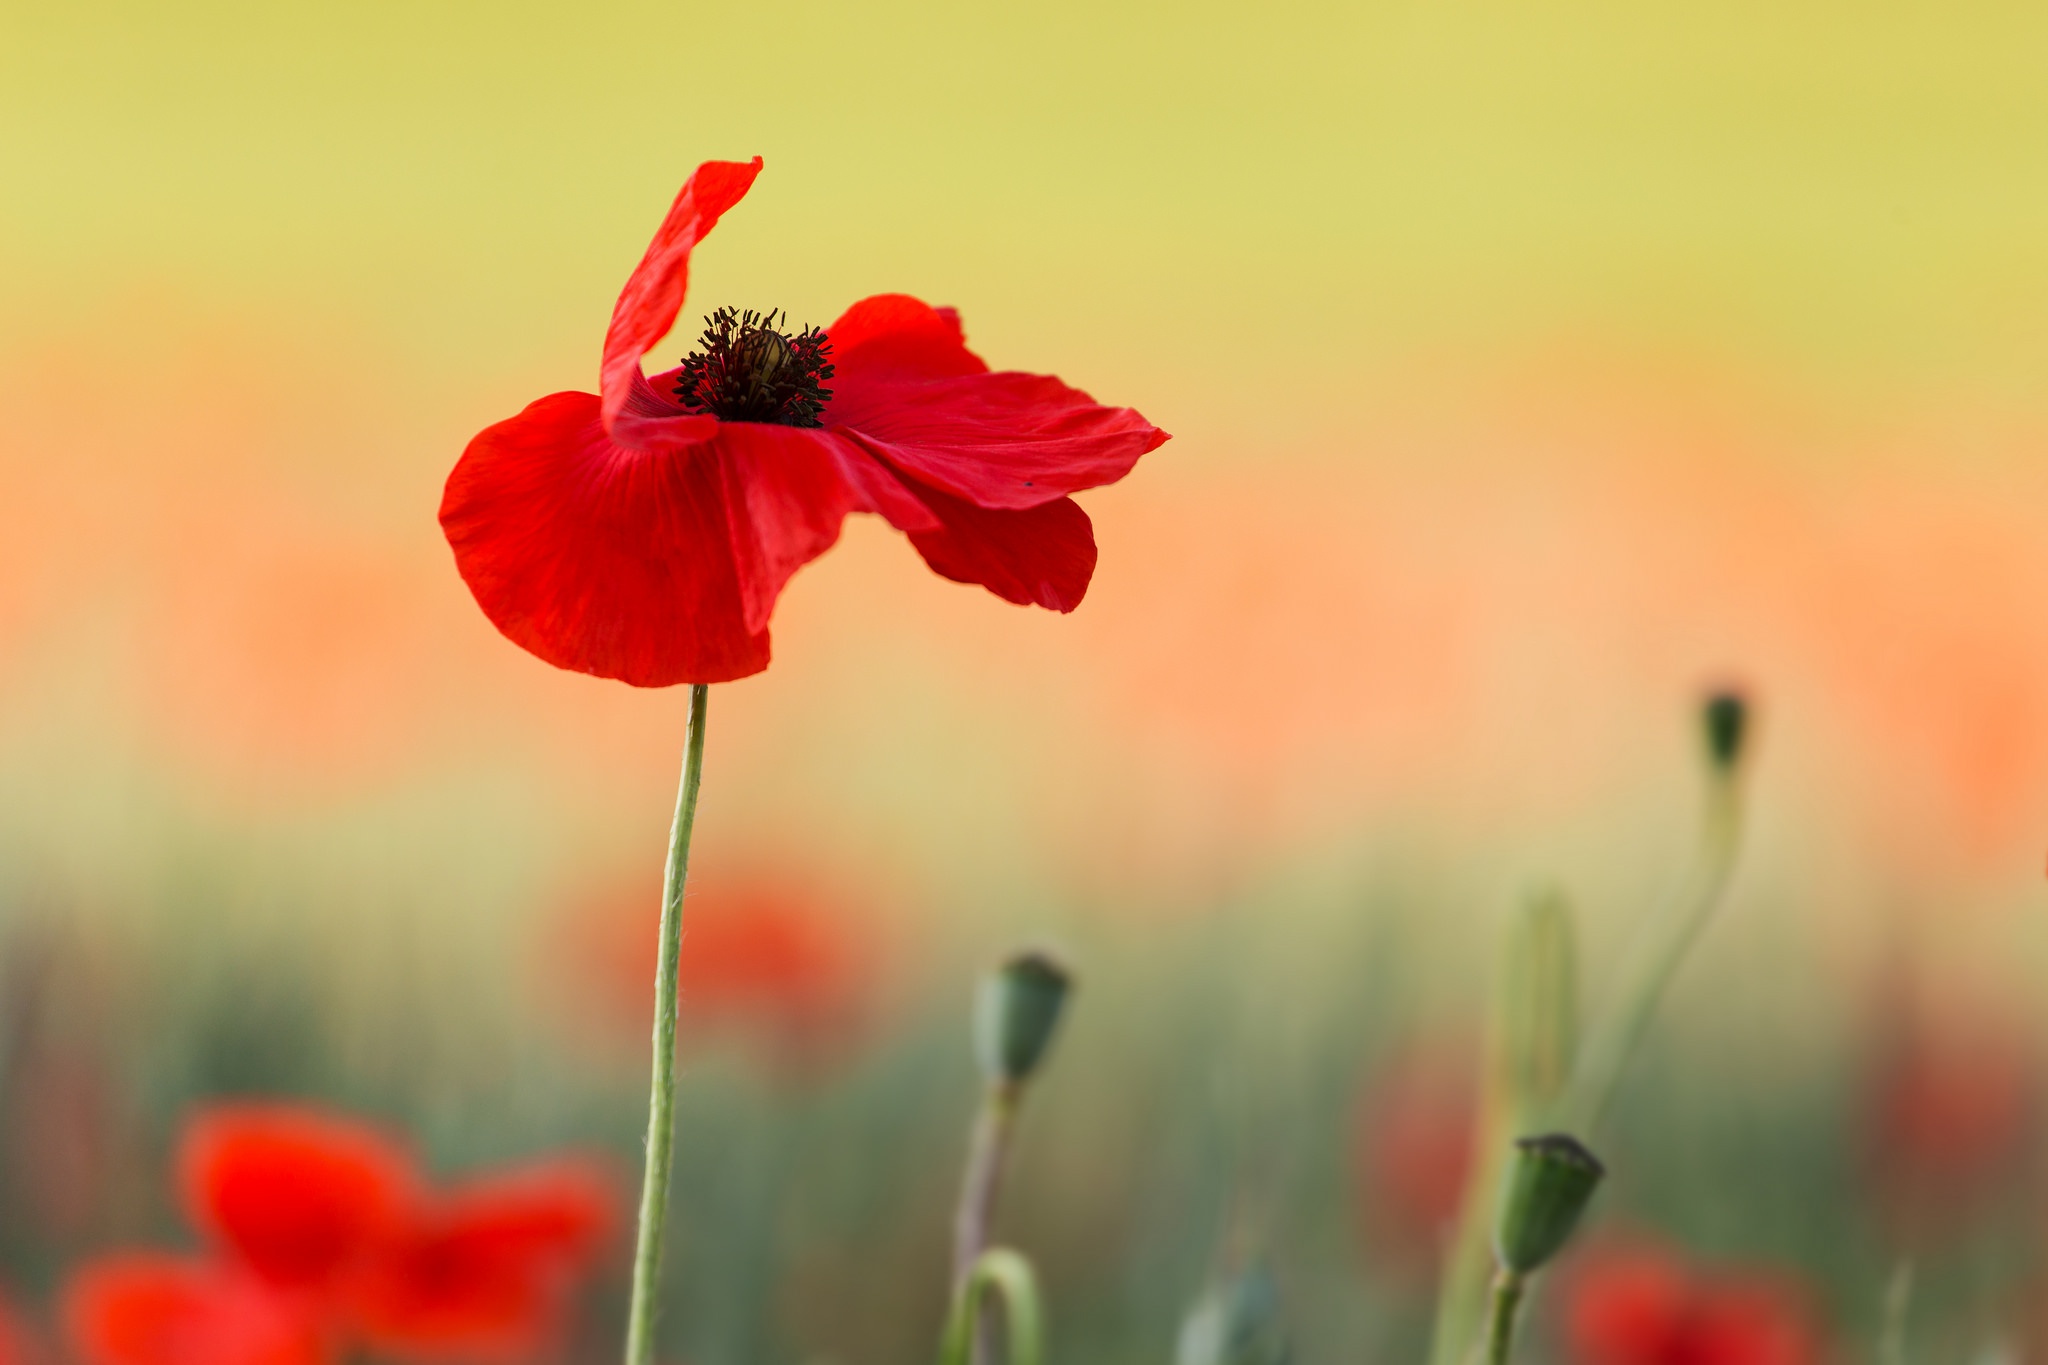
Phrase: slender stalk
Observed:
(988, 1152)
(1659, 949)
(661, 1103)
(1500, 1318)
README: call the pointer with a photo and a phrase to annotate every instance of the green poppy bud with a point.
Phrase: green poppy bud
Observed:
(1237, 1322)
(1016, 1014)
(1549, 1181)
(1724, 718)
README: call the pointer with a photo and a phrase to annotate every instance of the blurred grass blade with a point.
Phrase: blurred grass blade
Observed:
(1536, 1028)
(1001, 1271)
(1898, 1302)
(1531, 1049)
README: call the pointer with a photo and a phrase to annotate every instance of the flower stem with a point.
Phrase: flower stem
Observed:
(661, 1103)
(987, 1153)
(1660, 947)
(1500, 1318)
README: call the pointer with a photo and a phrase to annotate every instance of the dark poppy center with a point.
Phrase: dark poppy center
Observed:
(747, 369)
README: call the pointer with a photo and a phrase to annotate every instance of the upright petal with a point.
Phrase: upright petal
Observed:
(653, 567)
(653, 295)
(296, 1195)
(144, 1309)
(909, 388)
(1042, 556)
(895, 336)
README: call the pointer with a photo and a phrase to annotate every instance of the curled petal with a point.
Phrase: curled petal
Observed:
(653, 295)
(296, 1195)
(143, 1309)
(485, 1272)
(653, 567)
(1042, 556)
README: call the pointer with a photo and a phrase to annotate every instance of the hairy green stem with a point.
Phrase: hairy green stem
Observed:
(661, 1103)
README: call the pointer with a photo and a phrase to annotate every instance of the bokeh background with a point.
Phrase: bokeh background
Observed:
(1531, 366)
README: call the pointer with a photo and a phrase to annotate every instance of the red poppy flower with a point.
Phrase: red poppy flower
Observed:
(483, 1272)
(1645, 1307)
(142, 1309)
(1950, 1118)
(298, 1196)
(645, 531)
(779, 959)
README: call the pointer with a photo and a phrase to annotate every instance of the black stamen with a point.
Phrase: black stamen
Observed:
(746, 369)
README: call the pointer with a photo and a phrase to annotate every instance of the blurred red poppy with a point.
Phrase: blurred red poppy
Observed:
(1949, 1117)
(1413, 1150)
(1644, 1306)
(326, 1234)
(20, 1344)
(143, 1309)
(645, 531)
(773, 957)
(483, 1272)
(298, 1196)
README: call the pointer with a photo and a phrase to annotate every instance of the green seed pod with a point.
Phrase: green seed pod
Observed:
(1016, 1014)
(1549, 1181)
(1724, 719)
(1237, 1322)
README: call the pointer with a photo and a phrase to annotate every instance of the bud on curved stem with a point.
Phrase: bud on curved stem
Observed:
(1660, 946)
(1669, 933)
(1016, 1013)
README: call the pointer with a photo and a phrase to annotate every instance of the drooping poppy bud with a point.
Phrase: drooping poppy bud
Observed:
(1549, 1181)
(1724, 721)
(1016, 1014)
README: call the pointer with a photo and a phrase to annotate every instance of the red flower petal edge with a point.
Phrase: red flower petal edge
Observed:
(298, 1196)
(624, 535)
(143, 1309)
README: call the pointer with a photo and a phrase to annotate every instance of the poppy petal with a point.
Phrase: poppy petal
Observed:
(895, 336)
(793, 487)
(296, 1195)
(484, 1273)
(651, 567)
(1001, 440)
(653, 295)
(144, 1309)
(1041, 556)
